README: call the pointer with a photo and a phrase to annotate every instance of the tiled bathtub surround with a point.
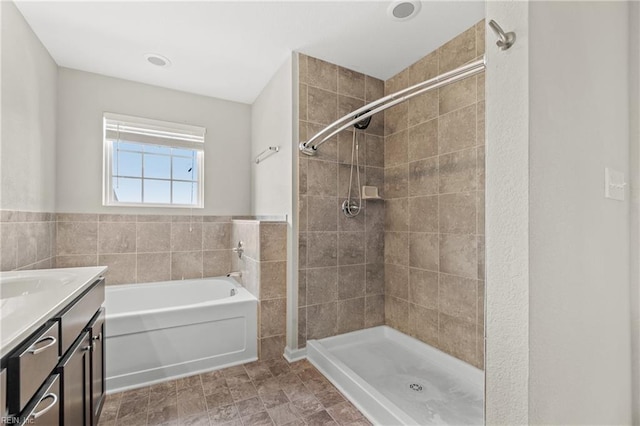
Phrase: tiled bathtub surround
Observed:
(145, 248)
(27, 240)
(341, 260)
(434, 192)
(264, 274)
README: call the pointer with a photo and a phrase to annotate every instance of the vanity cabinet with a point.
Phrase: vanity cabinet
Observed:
(57, 375)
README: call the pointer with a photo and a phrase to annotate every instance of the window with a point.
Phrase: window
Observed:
(152, 163)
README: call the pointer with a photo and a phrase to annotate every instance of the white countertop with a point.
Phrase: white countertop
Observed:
(29, 298)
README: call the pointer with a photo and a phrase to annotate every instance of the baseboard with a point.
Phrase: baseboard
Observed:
(292, 355)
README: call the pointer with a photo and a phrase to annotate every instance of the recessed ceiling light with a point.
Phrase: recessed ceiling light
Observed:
(403, 10)
(157, 60)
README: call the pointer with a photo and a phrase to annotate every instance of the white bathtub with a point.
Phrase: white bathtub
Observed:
(159, 331)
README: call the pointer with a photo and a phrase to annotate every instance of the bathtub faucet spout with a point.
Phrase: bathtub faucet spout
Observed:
(235, 274)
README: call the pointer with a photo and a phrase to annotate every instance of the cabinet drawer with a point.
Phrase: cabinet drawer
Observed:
(76, 317)
(31, 364)
(44, 409)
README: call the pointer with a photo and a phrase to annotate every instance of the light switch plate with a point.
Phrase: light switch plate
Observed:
(614, 184)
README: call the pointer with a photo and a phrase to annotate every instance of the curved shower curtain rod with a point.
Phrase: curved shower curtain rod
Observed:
(311, 146)
(506, 40)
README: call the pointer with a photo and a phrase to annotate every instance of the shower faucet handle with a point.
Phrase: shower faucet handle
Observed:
(239, 249)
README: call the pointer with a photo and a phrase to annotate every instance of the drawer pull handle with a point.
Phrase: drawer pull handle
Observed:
(48, 407)
(98, 337)
(35, 351)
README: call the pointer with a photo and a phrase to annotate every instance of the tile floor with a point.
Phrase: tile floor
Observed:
(260, 393)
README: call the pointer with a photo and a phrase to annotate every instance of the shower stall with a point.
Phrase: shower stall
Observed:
(391, 233)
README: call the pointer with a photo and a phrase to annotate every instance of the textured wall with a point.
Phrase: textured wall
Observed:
(28, 138)
(434, 196)
(264, 274)
(145, 248)
(340, 260)
(27, 240)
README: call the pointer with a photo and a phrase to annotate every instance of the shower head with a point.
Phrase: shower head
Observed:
(364, 123)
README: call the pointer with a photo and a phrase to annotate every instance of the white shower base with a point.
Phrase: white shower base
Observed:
(395, 379)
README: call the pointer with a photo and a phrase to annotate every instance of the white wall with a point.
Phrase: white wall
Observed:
(272, 125)
(82, 99)
(507, 219)
(579, 320)
(634, 159)
(28, 117)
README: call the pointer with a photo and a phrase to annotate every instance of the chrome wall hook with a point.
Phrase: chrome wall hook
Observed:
(506, 39)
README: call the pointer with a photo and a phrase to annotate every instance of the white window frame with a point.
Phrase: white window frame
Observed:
(139, 130)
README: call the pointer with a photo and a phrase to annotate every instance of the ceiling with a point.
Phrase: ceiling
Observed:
(230, 49)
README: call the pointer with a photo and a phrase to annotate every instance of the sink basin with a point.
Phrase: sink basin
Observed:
(25, 285)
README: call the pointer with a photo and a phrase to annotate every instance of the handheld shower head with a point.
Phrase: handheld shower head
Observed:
(364, 123)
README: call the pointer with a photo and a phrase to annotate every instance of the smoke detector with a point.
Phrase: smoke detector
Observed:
(403, 10)
(157, 60)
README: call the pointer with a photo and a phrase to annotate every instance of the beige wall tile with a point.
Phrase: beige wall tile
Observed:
(423, 177)
(374, 283)
(480, 38)
(396, 313)
(322, 248)
(272, 347)
(122, 268)
(423, 324)
(321, 74)
(350, 315)
(396, 281)
(396, 119)
(250, 276)
(423, 251)
(322, 320)
(423, 108)
(397, 215)
(457, 297)
(374, 151)
(397, 82)
(457, 171)
(423, 214)
(302, 327)
(375, 177)
(457, 95)
(374, 213)
(273, 241)
(396, 248)
(423, 288)
(216, 263)
(303, 242)
(186, 265)
(351, 248)
(8, 246)
(153, 267)
(374, 88)
(396, 148)
(302, 287)
(457, 51)
(481, 258)
(76, 261)
(302, 101)
(457, 213)
(322, 106)
(374, 310)
(395, 179)
(216, 236)
(76, 217)
(457, 130)
(329, 151)
(322, 213)
(153, 237)
(458, 255)
(322, 285)
(423, 140)
(374, 247)
(273, 280)
(115, 237)
(42, 240)
(273, 317)
(425, 69)
(77, 238)
(351, 281)
(186, 236)
(351, 224)
(322, 178)
(345, 145)
(153, 218)
(480, 125)
(457, 337)
(26, 248)
(350, 83)
(117, 218)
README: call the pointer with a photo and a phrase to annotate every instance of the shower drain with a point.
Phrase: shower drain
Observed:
(416, 387)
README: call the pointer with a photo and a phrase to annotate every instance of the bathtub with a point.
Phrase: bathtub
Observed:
(171, 329)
